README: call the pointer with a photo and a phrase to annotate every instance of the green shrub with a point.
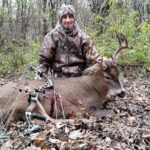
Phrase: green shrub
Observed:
(15, 58)
(125, 21)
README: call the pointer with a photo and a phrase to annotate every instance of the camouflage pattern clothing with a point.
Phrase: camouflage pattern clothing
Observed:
(67, 52)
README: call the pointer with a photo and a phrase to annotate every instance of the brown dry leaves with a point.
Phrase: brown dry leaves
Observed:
(129, 129)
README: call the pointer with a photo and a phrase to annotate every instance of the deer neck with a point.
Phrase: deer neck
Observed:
(101, 85)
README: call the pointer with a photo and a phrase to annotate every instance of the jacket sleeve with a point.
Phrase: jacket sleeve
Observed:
(47, 52)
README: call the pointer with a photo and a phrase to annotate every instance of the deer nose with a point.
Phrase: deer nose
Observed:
(121, 94)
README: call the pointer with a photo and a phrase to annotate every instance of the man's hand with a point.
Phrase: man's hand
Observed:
(37, 77)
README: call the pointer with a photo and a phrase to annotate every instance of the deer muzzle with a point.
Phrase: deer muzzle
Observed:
(121, 94)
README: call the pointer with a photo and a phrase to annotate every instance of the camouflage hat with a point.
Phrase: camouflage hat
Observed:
(66, 9)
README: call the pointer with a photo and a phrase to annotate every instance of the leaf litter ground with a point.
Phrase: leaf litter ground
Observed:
(128, 129)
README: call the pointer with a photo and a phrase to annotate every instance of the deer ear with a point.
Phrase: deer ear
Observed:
(111, 57)
(104, 66)
(114, 63)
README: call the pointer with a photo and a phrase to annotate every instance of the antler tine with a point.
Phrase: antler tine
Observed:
(123, 44)
(99, 61)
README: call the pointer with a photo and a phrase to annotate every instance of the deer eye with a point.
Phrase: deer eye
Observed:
(108, 77)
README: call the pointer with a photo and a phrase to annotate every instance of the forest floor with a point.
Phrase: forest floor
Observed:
(129, 129)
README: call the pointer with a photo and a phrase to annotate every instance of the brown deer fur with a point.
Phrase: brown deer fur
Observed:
(83, 94)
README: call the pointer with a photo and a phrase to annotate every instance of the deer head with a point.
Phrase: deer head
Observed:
(111, 76)
(109, 67)
(111, 72)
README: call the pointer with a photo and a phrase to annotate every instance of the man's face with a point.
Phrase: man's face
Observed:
(67, 21)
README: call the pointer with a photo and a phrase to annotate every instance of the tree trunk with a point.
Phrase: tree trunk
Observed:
(44, 32)
(1, 24)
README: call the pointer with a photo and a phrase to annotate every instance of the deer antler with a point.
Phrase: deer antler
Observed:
(123, 44)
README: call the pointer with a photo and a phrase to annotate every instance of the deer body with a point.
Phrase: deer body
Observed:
(78, 94)
(86, 93)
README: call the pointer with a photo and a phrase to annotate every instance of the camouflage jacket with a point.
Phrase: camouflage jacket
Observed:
(68, 53)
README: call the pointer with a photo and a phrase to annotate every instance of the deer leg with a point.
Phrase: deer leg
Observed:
(110, 96)
(31, 106)
(104, 113)
(35, 103)
(98, 112)
(43, 112)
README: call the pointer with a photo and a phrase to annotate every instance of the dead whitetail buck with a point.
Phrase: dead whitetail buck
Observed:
(79, 94)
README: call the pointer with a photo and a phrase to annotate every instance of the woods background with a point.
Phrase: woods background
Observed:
(23, 24)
